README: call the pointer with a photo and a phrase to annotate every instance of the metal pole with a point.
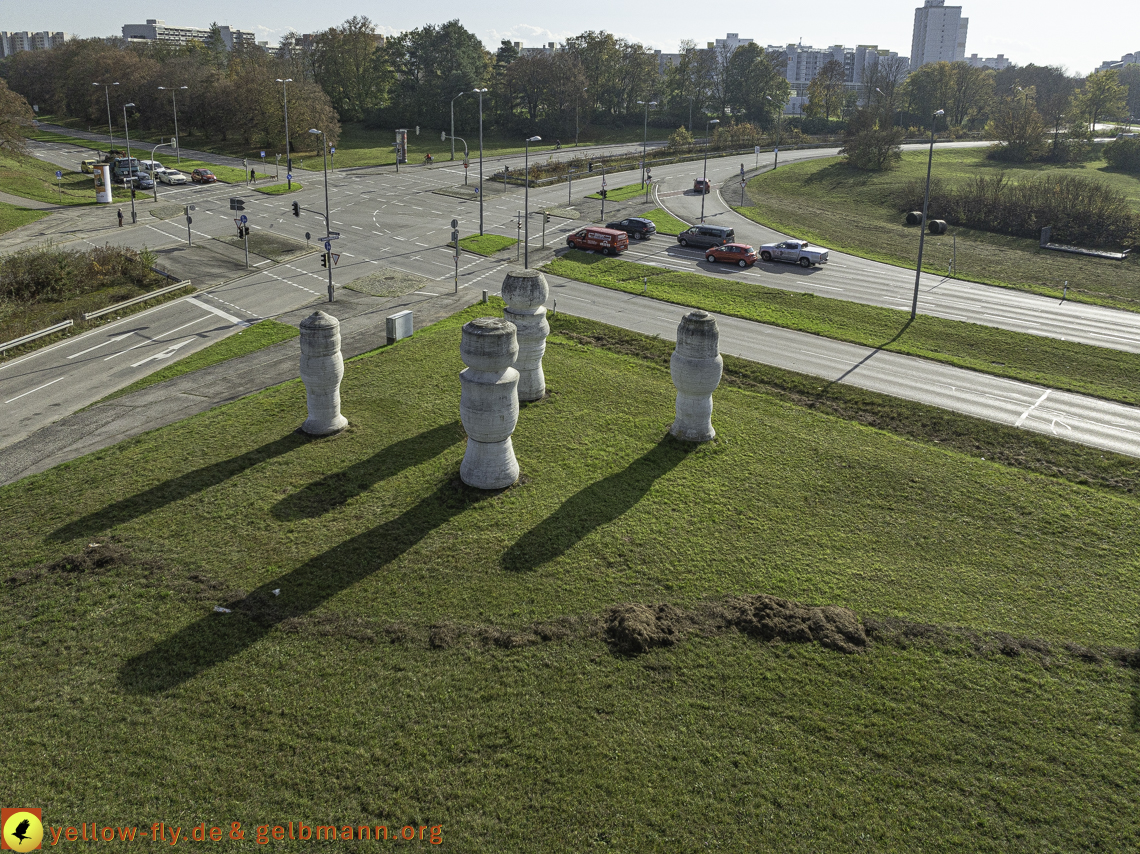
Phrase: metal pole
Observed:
(569, 186)
(177, 138)
(526, 205)
(922, 224)
(328, 222)
(480, 161)
(705, 173)
(186, 211)
(644, 143)
(130, 174)
(245, 236)
(288, 159)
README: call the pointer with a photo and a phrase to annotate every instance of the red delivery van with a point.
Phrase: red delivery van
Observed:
(608, 241)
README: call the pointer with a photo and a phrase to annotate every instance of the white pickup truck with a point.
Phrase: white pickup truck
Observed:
(794, 252)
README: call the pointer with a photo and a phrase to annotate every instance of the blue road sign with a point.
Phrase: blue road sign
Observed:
(263, 155)
(328, 246)
(243, 219)
(333, 149)
(58, 174)
(289, 175)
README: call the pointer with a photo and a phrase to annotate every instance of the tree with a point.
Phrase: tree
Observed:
(1102, 97)
(758, 87)
(1019, 127)
(15, 115)
(1053, 93)
(349, 68)
(826, 90)
(970, 94)
(871, 141)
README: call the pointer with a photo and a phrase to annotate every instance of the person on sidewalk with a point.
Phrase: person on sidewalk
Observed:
(252, 176)
(120, 217)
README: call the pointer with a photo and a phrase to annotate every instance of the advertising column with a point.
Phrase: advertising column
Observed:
(103, 183)
(402, 145)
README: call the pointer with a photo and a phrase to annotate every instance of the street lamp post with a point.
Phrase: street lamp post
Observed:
(705, 173)
(130, 172)
(328, 222)
(526, 199)
(480, 93)
(288, 158)
(154, 178)
(576, 96)
(925, 206)
(460, 95)
(107, 92)
(645, 137)
(177, 142)
(779, 134)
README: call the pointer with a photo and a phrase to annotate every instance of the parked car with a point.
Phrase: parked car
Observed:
(794, 252)
(703, 236)
(142, 181)
(740, 254)
(202, 176)
(701, 185)
(150, 166)
(88, 166)
(635, 227)
(605, 240)
(170, 176)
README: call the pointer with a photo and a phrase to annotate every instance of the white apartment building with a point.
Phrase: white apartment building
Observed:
(1127, 59)
(939, 34)
(13, 43)
(159, 31)
(997, 63)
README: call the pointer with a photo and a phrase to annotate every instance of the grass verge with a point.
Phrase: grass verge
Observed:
(1081, 368)
(13, 216)
(666, 223)
(851, 211)
(279, 189)
(621, 194)
(485, 244)
(264, 333)
(31, 178)
(468, 631)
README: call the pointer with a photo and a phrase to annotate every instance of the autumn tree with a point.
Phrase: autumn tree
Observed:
(826, 90)
(15, 116)
(1101, 97)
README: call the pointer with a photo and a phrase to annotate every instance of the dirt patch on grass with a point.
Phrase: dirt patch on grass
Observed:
(387, 282)
(635, 628)
(95, 557)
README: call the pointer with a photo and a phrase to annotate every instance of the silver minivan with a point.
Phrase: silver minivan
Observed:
(704, 236)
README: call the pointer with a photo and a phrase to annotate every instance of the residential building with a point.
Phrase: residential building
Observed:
(159, 31)
(729, 43)
(939, 34)
(1127, 59)
(997, 63)
(13, 43)
(549, 49)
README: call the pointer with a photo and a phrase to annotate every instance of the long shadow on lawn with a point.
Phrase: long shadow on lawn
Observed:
(338, 488)
(175, 489)
(590, 508)
(218, 637)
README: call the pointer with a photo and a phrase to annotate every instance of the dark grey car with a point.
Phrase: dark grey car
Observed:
(636, 227)
(704, 236)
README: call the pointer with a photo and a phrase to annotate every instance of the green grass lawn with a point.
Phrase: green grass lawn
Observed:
(1059, 364)
(434, 656)
(143, 151)
(12, 216)
(825, 202)
(621, 194)
(31, 178)
(279, 189)
(264, 333)
(666, 223)
(485, 244)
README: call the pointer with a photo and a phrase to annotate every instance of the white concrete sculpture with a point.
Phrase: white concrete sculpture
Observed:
(321, 370)
(696, 367)
(524, 292)
(489, 402)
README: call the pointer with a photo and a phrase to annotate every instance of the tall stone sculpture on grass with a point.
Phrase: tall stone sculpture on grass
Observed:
(489, 402)
(322, 369)
(696, 367)
(524, 292)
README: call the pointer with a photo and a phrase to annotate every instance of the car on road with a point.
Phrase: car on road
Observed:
(605, 240)
(141, 180)
(701, 185)
(704, 236)
(636, 227)
(170, 176)
(740, 254)
(794, 252)
(88, 166)
(202, 176)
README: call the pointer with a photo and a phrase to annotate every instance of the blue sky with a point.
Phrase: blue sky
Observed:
(1043, 32)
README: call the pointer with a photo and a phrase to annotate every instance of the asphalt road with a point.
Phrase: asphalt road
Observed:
(399, 222)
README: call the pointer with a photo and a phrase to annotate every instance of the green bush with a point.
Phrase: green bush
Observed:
(49, 274)
(1123, 154)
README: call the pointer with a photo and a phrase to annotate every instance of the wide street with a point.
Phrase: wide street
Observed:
(401, 223)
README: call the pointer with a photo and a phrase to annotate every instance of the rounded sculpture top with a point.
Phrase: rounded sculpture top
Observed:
(489, 344)
(698, 336)
(319, 320)
(525, 289)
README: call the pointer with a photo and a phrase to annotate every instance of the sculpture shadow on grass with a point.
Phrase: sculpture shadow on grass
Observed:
(218, 637)
(338, 488)
(597, 504)
(175, 489)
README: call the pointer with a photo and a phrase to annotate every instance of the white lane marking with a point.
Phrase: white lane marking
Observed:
(1025, 414)
(213, 310)
(165, 354)
(104, 344)
(154, 340)
(1011, 319)
(33, 391)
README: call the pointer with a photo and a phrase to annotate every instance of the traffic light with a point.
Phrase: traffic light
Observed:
(296, 208)
(545, 217)
(324, 259)
(603, 193)
(245, 231)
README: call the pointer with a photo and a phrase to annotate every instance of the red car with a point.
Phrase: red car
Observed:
(700, 185)
(604, 240)
(203, 176)
(732, 253)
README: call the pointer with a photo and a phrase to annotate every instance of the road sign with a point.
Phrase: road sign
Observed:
(193, 208)
(742, 182)
(455, 223)
(289, 175)
(263, 155)
(189, 219)
(58, 174)
(443, 136)
(333, 150)
(328, 246)
(243, 219)
(237, 222)
(307, 235)
(333, 235)
(335, 258)
(757, 149)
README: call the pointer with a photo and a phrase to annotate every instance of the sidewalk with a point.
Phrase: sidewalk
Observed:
(362, 329)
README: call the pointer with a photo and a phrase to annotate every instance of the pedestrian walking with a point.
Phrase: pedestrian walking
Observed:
(252, 176)
(120, 217)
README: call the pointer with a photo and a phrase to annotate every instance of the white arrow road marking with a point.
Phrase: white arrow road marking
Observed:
(33, 391)
(104, 344)
(154, 340)
(1025, 414)
(213, 310)
(165, 354)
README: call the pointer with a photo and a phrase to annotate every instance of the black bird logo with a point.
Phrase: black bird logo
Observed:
(21, 828)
